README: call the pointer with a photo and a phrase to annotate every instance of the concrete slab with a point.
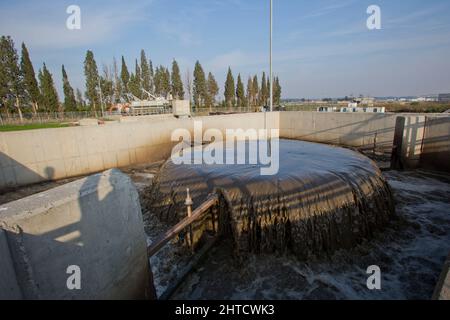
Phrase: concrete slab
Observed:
(9, 288)
(94, 223)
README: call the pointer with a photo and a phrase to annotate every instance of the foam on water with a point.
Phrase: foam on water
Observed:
(410, 253)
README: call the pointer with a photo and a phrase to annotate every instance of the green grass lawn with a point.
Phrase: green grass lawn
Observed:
(31, 126)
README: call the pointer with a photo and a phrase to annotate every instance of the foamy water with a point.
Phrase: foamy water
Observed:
(410, 253)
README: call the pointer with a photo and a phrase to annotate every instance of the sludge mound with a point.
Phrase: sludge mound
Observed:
(323, 198)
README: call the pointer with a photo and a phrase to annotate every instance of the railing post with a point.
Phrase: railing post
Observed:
(213, 217)
(188, 204)
(375, 143)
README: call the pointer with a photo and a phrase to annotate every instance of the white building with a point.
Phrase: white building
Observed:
(327, 109)
(365, 109)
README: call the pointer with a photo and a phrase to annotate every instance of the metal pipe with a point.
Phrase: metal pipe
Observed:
(179, 227)
(188, 204)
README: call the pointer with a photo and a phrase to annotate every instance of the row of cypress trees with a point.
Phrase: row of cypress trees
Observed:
(205, 90)
(21, 91)
(255, 95)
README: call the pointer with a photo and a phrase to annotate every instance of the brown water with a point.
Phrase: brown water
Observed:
(322, 199)
(410, 253)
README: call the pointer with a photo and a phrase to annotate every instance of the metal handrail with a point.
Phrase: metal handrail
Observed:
(179, 227)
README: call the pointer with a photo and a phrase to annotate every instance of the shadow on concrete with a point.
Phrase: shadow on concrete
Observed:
(96, 233)
(12, 171)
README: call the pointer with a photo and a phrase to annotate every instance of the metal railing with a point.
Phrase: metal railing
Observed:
(187, 222)
(45, 117)
(210, 204)
(58, 117)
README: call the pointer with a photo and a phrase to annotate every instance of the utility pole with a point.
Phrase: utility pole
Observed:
(271, 72)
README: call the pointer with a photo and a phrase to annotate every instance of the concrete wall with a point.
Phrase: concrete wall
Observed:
(32, 156)
(38, 155)
(425, 138)
(360, 130)
(94, 223)
(408, 140)
(436, 144)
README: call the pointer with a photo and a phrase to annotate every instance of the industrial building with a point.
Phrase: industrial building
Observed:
(444, 97)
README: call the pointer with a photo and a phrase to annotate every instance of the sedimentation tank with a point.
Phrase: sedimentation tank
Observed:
(322, 198)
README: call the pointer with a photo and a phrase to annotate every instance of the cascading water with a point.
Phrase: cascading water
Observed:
(323, 198)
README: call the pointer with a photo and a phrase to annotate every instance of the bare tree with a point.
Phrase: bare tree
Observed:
(117, 83)
(188, 83)
(107, 84)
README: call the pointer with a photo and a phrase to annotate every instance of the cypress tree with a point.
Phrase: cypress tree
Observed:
(162, 81)
(157, 81)
(249, 92)
(50, 101)
(124, 77)
(134, 82)
(212, 91)
(133, 86)
(145, 74)
(70, 104)
(92, 80)
(229, 90)
(138, 74)
(165, 81)
(277, 91)
(3, 79)
(199, 90)
(177, 84)
(264, 91)
(29, 79)
(255, 91)
(12, 75)
(240, 92)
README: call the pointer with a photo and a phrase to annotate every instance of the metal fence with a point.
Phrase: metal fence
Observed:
(60, 117)
(46, 117)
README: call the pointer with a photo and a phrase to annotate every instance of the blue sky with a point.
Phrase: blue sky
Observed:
(321, 48)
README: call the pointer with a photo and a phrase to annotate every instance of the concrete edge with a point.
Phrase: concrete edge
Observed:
(442, 290)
